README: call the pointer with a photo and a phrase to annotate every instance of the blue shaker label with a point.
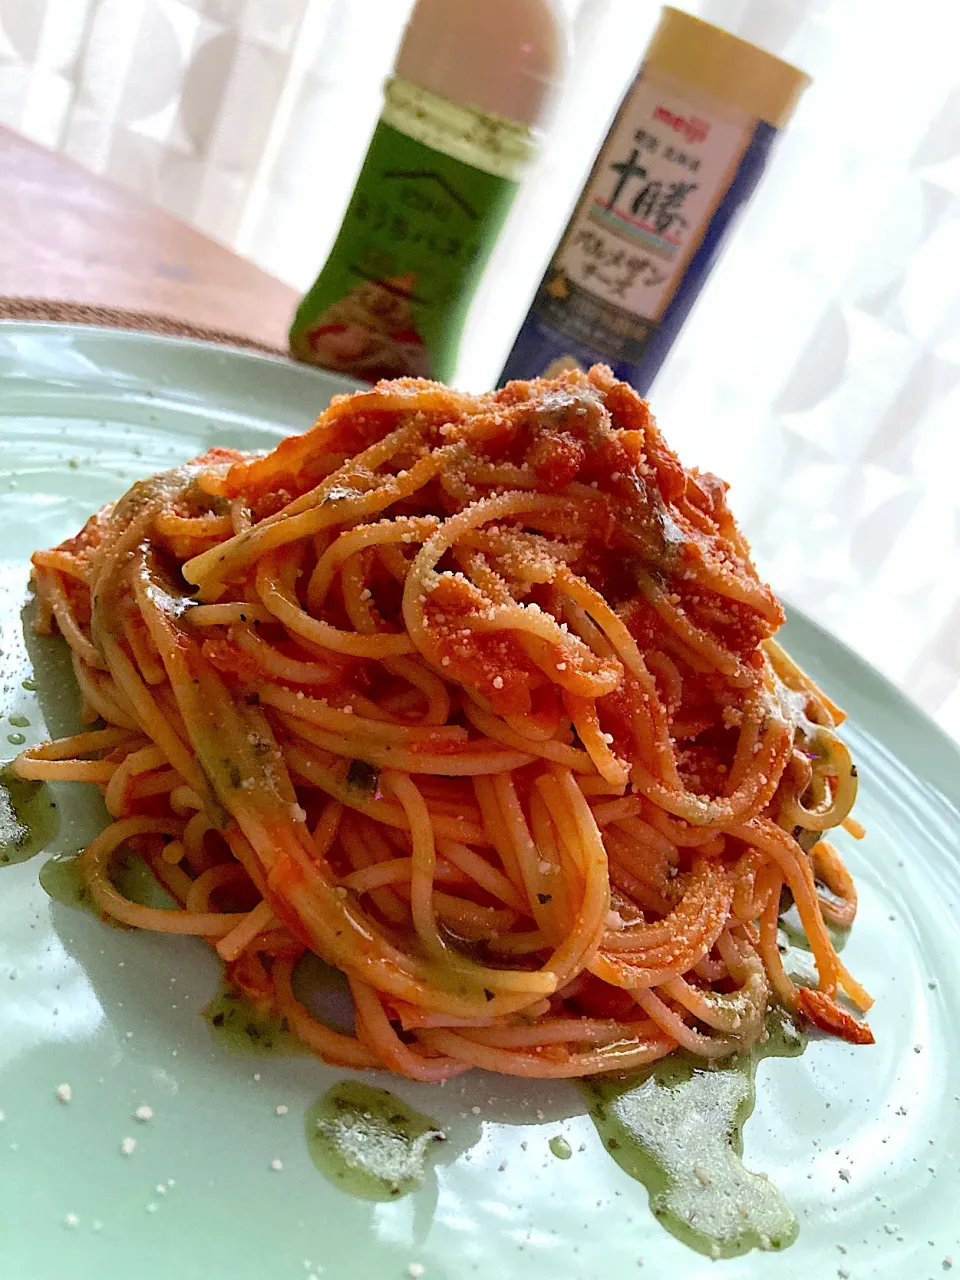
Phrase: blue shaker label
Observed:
(661, 192)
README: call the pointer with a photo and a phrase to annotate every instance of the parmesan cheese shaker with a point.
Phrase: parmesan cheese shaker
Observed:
(686, 149)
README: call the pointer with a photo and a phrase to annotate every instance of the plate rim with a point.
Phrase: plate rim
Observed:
(897, 700)
(879, 702)
(112, 335)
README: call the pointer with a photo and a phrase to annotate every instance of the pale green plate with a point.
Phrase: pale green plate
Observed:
(115, 1014)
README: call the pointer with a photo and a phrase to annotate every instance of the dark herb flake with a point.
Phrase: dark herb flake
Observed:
(363, 776)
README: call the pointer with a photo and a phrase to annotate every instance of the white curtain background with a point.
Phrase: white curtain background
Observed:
(820, 371)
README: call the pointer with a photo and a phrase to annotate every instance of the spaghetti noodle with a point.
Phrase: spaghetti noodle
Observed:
(476, 698)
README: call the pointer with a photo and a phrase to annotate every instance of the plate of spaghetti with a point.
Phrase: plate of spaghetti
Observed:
(472, 827)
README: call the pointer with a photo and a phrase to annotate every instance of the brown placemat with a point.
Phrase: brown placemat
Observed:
(118, 318)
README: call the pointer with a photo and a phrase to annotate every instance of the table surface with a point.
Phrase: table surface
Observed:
(69, 235)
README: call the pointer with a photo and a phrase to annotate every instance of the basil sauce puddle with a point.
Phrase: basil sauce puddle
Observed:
(28, 817)
(61, 880)
(677, 1127)
(793, 934)
(368, 1142)
(239, 1026)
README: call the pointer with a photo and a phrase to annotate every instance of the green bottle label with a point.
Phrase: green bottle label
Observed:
(421, 223)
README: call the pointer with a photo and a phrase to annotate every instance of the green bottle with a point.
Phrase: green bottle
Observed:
(456, 134)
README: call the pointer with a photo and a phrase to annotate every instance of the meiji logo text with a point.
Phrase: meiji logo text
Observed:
(693, 128)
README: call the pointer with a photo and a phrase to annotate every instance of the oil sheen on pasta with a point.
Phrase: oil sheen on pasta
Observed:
(677, 1127)
(368, 1142)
